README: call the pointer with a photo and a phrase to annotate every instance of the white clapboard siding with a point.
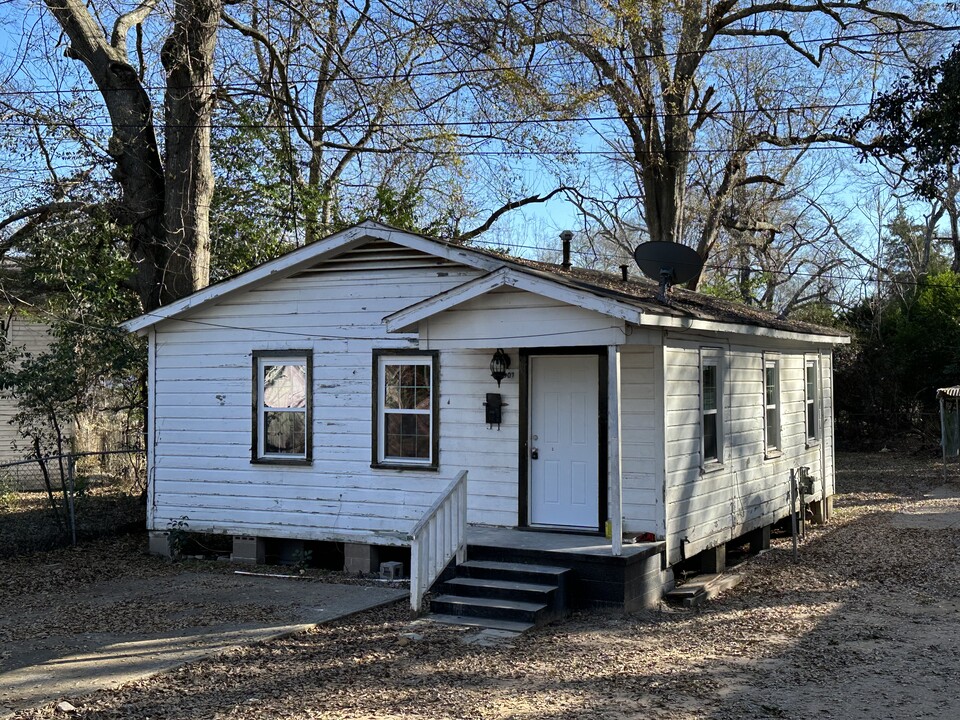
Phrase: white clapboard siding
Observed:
(204, 396)
(531, 319)
(20, 331)
(708, 506)
(490, 454)
(641, 457)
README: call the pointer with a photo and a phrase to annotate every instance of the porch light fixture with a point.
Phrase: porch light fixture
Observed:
(499, 365)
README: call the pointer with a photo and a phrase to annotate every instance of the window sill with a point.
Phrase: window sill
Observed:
(773, 454)
(297, 462)
(711, 468)
(403, 466)
(812, 443)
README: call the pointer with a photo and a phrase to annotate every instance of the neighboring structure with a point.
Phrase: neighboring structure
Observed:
(333, 393)
(18, 329)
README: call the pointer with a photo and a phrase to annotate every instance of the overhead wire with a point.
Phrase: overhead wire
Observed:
(825, 39)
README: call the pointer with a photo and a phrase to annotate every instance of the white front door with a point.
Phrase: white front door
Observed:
(564, 469)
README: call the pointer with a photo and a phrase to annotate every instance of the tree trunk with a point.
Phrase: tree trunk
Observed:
(187, 56)
(167, 211)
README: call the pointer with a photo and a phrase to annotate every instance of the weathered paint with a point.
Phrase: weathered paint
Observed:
(708, 505)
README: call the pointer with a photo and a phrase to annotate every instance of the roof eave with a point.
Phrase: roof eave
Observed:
(689, 323)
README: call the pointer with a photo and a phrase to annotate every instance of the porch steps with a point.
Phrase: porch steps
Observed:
(702, 589)
(501, 595)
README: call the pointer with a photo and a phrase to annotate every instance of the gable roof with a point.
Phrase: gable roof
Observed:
(302, 259)
(633, 300)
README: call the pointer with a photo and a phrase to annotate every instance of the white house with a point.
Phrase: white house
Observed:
(19, 330)
(334, 393)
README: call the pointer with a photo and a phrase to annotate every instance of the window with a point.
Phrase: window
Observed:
(282, 412)
(812, 416)
(711, 399)
(405, 422)
(771, 404)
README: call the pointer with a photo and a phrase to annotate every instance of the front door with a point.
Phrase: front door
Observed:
(563, 443)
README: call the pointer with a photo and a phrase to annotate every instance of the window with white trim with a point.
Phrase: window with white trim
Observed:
(811, 385)
(771, 404)
(711, 407)
(282, 411)
(405, 423)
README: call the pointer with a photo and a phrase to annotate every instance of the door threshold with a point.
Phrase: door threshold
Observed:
(558, 529)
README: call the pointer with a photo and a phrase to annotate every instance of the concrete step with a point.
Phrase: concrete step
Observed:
(488, 623)
(495, 608)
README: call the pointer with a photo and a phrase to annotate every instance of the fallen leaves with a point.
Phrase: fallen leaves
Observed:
(866, 624)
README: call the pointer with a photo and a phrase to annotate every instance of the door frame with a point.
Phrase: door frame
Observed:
(523, 465)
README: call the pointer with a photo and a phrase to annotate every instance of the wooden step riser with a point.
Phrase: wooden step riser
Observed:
(546, 597)
(466, 609)
(524, 576)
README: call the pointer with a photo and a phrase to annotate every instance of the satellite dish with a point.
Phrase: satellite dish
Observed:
(668, 263)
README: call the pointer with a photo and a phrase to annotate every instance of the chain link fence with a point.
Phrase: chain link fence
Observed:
(63, 499)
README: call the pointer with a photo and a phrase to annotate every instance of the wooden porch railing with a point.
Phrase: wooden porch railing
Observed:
(440, 534)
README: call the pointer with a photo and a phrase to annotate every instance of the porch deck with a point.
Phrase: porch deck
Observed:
(630, 581)
(551, 542)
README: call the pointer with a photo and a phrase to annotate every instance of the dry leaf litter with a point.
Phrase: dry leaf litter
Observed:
(865, 625)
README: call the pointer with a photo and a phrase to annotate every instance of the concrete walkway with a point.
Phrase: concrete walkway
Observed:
(50, 668)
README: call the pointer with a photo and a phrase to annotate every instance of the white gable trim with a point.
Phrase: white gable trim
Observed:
(305, 257)
(406, 320)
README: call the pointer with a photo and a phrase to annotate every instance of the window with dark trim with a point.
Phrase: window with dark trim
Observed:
(405, 409)
(282, 406)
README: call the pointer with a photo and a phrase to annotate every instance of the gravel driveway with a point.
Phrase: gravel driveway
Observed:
(865, 625)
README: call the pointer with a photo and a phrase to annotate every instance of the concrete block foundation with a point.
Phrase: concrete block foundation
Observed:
(159, 543)
(361, 558)
(248, 549)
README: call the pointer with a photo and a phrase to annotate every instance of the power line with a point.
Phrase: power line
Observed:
(392, 125)
(546, 65)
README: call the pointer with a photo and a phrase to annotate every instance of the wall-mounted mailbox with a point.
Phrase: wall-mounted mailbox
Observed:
(494, 409)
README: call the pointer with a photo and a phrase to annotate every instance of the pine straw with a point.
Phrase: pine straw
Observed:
(866, 625)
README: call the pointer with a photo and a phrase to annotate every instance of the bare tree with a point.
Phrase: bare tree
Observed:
(652, 67)
(165, 191)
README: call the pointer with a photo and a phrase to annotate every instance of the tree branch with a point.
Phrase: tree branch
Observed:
(466, 237)
(118, 39)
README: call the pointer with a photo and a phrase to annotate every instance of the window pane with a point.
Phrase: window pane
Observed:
(406, 387)
(709, 387)
(771, 428)
(407, 436)
(811, 400)
(771, 378)
(709, 437)
(284, 433)
(285, 386)
(392, 435)
(391, 387)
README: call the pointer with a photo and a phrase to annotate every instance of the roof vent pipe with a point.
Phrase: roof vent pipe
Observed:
(566, 236)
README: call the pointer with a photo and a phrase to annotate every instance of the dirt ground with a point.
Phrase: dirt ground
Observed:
(865, 625)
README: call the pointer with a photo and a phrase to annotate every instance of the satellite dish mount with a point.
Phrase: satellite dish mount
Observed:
(668, 263)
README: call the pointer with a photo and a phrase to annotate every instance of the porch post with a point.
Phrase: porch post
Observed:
(615, 483)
